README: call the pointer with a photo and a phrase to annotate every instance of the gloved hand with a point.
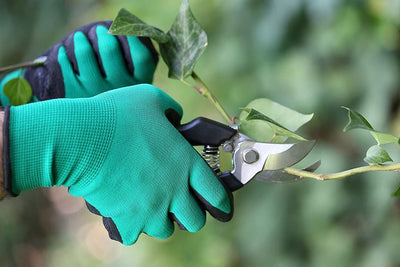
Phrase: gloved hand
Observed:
(119, 151)
(87, 62)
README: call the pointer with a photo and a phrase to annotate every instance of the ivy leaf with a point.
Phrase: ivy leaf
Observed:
(180, 47)
(377, 155)
(125, 23)
(384, 138)
(396, 193)
(187, 42)
(356, 121)
(18, 90)
(272, 112)
(276, 127)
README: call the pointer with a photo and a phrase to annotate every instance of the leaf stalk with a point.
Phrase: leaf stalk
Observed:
(205, 91)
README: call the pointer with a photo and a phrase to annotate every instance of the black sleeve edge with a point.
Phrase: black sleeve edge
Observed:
(7, 185)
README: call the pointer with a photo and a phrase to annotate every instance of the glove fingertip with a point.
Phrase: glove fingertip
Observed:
(210, 190)
(175, 219)
(173, 116)
(70, 44)
(113, 232)
(222, 212)
(94, 40)
(92, 209)
(108, 223)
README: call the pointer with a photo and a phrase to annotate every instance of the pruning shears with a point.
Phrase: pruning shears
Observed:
(250, 159)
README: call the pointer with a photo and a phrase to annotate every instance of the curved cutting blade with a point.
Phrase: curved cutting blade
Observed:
(289, 157)
(280, 176)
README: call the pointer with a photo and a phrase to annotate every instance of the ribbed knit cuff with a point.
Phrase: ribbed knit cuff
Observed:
(58, 142)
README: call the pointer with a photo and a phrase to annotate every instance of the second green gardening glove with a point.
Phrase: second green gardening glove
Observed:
(120, 152)
(87, 62)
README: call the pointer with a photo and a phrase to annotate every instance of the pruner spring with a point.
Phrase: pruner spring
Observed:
(211, 155)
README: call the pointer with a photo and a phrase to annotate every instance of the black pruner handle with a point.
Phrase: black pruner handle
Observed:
(203, 131)
(230, 181)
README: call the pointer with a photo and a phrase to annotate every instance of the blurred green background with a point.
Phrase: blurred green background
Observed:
(312, 56)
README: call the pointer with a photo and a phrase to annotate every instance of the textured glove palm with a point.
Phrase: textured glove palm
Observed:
(120, 152)
(87, 62)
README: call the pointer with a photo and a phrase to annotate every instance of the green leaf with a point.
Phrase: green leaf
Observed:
(377, 155)
(125, 23)
(397, 192)
(276, 127)
(384, 138)
(18, 90)
(261, 130)
(356, 121)
(187, 41)
(256, 115)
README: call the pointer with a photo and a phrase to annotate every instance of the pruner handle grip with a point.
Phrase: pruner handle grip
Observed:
(203, 131)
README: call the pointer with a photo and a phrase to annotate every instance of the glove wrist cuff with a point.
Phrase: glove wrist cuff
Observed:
(24, 159)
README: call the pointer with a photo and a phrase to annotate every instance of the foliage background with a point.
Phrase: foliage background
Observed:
(313, 56)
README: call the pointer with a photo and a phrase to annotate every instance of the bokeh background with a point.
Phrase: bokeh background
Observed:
(312, 56)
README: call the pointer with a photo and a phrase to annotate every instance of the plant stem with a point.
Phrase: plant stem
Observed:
(35, 63)
(204, 91)
(343, 174)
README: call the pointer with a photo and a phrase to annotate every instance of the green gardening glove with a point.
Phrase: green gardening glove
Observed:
(87, 62)
(119, 151)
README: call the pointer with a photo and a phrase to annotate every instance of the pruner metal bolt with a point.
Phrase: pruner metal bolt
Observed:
(250, 156)
(227, 146)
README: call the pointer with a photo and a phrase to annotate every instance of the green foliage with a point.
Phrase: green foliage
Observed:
(125, 23)
(397, 192)
(18, 90)
(187, 42)
(384, 138)
(277, 129)
(356, 121)
(259, 121)
(377, 155)
(180, 47)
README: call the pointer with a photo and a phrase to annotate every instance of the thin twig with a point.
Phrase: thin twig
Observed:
(343, 174)
(207, 93)
(35, 63)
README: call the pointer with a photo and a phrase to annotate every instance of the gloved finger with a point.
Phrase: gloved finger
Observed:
(108, 223)
(161, 100)
(66, 66)
(128, 226)
(133, 49)
(83, 58)
(144, 63)
(112, 229)
(110, 53)
(210, 191)
(173, 116)
(187, 213)
(160, 227)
